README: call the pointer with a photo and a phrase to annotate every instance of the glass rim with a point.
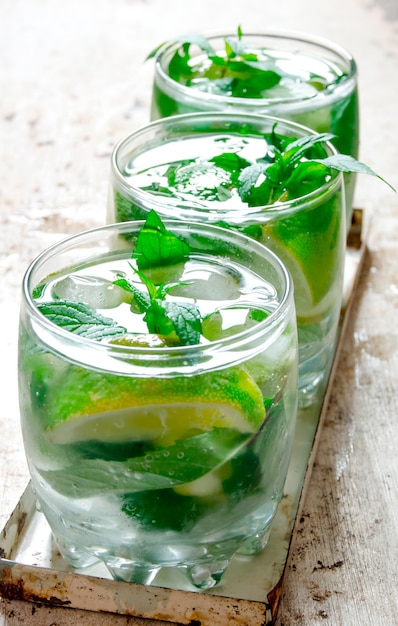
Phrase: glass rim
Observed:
(256, 213)
(157, 353)
(303, 37)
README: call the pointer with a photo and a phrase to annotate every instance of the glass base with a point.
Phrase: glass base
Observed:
(206, 575)
(255, 544)
(127, 571)
(203, 574)
(76, 557)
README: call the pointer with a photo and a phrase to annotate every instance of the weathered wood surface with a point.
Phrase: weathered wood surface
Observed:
(72, 82)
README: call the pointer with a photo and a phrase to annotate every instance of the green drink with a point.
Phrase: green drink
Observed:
(158, 394)
(298, 77)
(224, 169)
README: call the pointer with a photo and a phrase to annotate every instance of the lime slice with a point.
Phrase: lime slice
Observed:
(309, 245)
(90, 405)
(143, 340)
(208, 485)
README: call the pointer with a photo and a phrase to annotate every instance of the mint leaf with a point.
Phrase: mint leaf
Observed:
(186, 321)
(186, 460)
(38, 291)
(230, 162)
(93, 476)
(80, 319)
(187, 40)
(298, 149)
(254, 86)
(257, 186)
(346, 163)
(141, 299)
(305, 178)
(157, 319)
(163, 509)
(249, 178)
(179, 66)
(191, 458)
(166, 317)
(158, 247)
(183, 319)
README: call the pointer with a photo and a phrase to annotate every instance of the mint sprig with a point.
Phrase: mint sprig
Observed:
(238, 70)
(162, 317)
(156, 247)
(289, 169)
(177, 322)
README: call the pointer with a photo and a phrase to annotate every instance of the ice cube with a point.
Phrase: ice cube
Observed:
(98, 293)
(208, 283)
(227, 322)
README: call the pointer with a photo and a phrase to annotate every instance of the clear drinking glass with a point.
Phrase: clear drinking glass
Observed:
(309, 80)
(169, 165)
(144, 452)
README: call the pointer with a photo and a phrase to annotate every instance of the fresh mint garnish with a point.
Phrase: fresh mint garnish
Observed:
(80, 319)
(157, 246)
(285, 170)
(289, 169)
(238, 70)
(178, 322)
(164, 317)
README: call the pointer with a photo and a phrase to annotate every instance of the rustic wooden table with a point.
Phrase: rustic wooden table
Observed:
(73, 82)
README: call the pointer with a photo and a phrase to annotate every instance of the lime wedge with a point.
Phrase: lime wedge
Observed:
(89, 405)
(309, 245)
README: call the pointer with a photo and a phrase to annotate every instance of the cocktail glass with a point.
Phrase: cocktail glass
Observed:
(144, 451)
(296, 76)
(169, 165)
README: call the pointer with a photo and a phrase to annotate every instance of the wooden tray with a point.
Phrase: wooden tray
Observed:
(32, 569)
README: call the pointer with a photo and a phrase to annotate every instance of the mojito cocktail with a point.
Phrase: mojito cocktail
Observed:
(295, 76)
(264, 177)
(158, 395)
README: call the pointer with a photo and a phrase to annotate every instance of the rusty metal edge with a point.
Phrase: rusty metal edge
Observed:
(71, 590)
